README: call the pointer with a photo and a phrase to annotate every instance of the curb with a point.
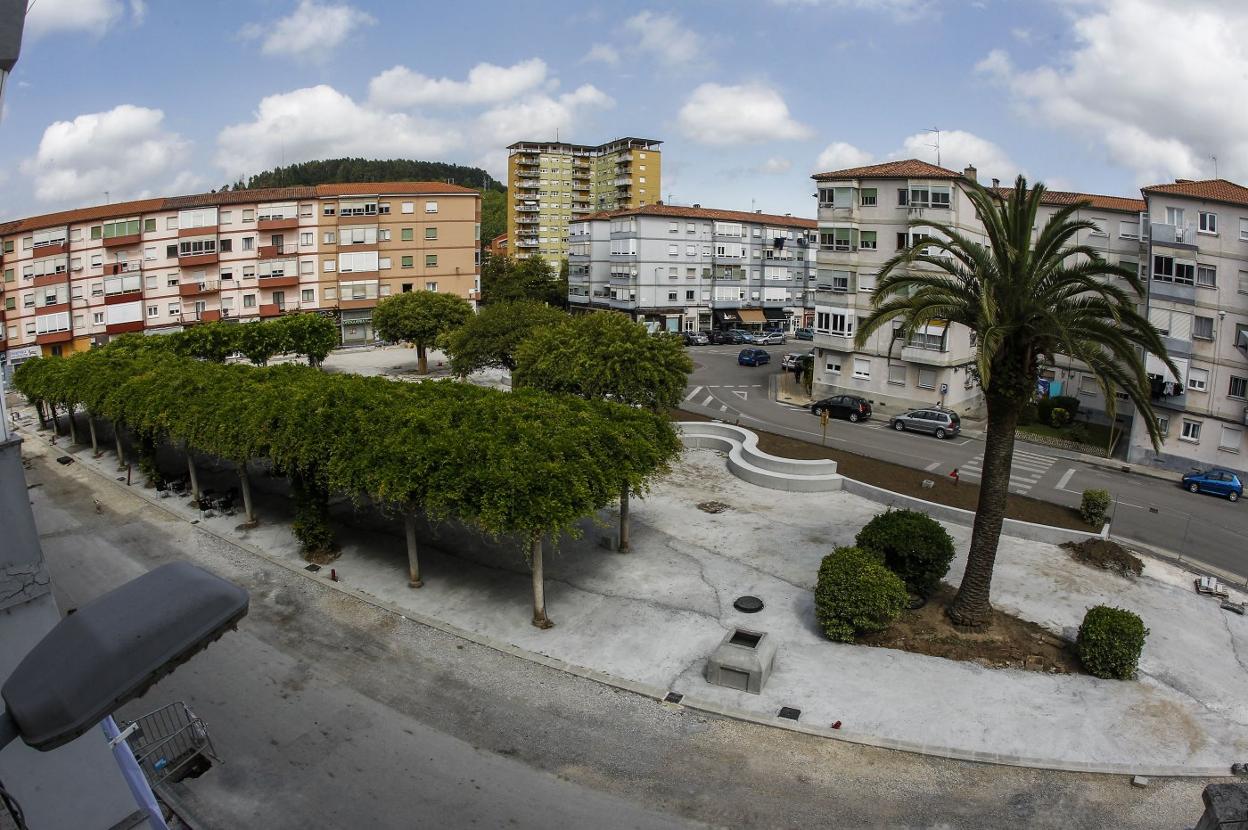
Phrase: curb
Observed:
(658, 694)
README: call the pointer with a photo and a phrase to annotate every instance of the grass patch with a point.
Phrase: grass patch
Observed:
(1097, 435)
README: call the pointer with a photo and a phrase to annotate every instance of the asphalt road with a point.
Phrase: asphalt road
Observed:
(330, 712)
(1152, 512)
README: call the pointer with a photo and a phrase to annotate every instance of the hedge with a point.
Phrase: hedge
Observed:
(1110, 641)
(856, 595)
(912, 545)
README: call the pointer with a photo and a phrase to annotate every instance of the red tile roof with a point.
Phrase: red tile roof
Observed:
(228, 197)
(904, 169)
(706, 213)
(1213, 190)
(1095, 200)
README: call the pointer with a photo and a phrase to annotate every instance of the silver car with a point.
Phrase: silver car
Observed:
(770, 338)
(939, 422)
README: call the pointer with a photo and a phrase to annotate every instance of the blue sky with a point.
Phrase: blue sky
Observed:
(140, 98)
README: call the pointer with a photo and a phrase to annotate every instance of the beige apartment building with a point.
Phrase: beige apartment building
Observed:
(550, 184)
(74, 279)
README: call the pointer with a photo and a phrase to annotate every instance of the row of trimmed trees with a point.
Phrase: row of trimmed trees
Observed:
(529, 463)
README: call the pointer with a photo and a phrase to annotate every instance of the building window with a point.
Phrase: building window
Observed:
(897, 374)
(406, 234)
(1098, 227)
(431, 207)
(673, 250)
(1207, 276)
(383, 263)
(405, 262)
(249, 243)
(1202, 328)
(407, 207)
(329, 210)
(867, 240)
(431, 233)
(98, 317)
(153, 311)
(1208, 222)
(671, 296)
(1129, 230)
(1238, 388)
(689, 295)
(227, 245)
(673, 227)
(306, 239)
(1229, 439)
(249, 301)
(249, 215)
(307, 295)
(867, 196)
(431, 260)
(431, 286)
(1191, 431)
(834, 366)
(1198, 379)
(927, 378)
(862, 368)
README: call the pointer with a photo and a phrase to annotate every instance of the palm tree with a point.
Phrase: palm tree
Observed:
(1025, 296)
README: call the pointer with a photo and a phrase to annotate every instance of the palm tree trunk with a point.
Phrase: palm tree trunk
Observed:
(539, 587)
(971, 607)
(413, 563)
(422, 359)
(245, 485)
(623, 548)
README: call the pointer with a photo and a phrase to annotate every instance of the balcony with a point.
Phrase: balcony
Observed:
(528, 208)
(527, 184)
(195, 289)
(52, 308)
(51, 279)
(56, 249)
(1179, 236)
(278, 280)
(271, 309)
(277, 223)
(622, 181)
(54, 337)
(115, 268)
(929, 357)
(204, 230)
(121, 241)
(527, 220)
(272, 251)
(118, 297)
(521, 242)
(1176, 347)
(192, 260)
(124, 328)
(1175, 292)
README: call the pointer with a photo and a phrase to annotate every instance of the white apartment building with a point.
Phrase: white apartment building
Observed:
(694, 268)
(1197, 262)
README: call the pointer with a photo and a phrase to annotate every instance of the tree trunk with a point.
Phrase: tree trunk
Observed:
(121, 453)
(190, 468)
(422, 358)
(539, 586)
(245, 484)
(56, 425)
(43, 417)
(95, 444)
(413, 563)
(73, 431)
(623, 547)
(971, 606)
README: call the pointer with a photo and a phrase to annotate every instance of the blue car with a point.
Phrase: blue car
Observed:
(753, 357)
(1217, 481)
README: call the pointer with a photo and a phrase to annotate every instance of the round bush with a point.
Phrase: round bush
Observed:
(1110, 641)
(1044, 409)
(912, 544)
(1068, 402)
(1059, 417)
(856, 595)
(1093, 506)
(1078, 433)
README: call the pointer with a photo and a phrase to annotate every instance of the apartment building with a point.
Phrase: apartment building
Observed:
(694, 268)
(1196, 256)
(551, 184)
(76, 278)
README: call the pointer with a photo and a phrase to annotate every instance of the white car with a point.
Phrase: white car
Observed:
(770, 338)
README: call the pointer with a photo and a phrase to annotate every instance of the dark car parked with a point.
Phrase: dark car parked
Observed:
(939, 422)
(753, 357)
(727, 336)
(850, 407)
(696, 338)
(1217, 481)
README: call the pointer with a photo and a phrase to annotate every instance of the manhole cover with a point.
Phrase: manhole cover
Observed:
(790, 713)
(748, 605)
(313, 568)
(674, 697)
(712, 507)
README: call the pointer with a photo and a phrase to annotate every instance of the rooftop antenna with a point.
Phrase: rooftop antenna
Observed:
(1215, 166)
(106, 198)
(935, 130)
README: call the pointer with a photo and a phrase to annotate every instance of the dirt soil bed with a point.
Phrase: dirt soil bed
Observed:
(1009, 643)
(1107, 555)
(909, 481)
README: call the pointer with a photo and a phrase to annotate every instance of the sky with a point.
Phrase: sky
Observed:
(121, 99)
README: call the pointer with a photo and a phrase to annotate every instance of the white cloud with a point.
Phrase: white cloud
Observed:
(906, 11)
(321, 122)
(958, 149)
(400, 87)
(312, 29)
(94, 17)
(125, 151)
(1155, 84)
(138, 11)
(840, 156)
(716, 114)
(539, 116)
(602, 53)
(663, 36)
(775, 165)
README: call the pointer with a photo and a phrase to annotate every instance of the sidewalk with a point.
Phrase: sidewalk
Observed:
(647, 621)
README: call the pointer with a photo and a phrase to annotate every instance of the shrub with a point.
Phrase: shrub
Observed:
(1044, 408)
(1059, 417)
(1110, 641)
(912, 545)
(1028, 415)
(856, 595)
(1078, 433)
(1068, 402)
(1093, 506)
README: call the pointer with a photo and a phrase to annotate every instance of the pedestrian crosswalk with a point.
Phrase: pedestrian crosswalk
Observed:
(1028, 468)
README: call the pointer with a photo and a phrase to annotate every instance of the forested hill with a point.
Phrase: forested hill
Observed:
(328, 171)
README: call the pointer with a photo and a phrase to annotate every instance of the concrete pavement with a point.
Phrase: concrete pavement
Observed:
(1201, 531)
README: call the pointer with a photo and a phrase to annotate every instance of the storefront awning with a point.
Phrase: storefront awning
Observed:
(775, 314)
(727, 316)
(752, 315)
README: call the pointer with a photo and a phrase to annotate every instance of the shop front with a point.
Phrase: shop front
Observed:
(357, 326)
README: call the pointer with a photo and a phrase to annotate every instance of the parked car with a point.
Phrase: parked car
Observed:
(718, 337)
(770, 338)
(804, 334)
(696, 338)
(789, 361)
(939, 422)
(1217, 481)
(753, 357)
(850, 407)
(746, 336)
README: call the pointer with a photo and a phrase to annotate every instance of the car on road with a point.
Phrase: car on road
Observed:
(939, 422)
(1217, 481)
(789, 361)
(850, 407)
(753, 357)
(804, 334)
(770, 338)
(696, 338)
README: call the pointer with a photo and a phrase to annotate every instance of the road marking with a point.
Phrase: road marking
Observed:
(712, 387)
(723, 407)
(708, 400)
(695, 391)
(741, 395)
(1065, 479)
(932, 466)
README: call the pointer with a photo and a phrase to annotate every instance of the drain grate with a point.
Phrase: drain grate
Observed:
(313, 568)
(790, 713)
(64, 459)
(674, 697)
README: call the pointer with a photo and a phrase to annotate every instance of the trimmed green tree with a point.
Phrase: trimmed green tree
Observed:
(1031, 293)
(491, 337)
(856, 595)
(508, 279)
(912, 545)
(419, 318)
(1110, 641)
(311, 335)
(607, 356)
(261, 341)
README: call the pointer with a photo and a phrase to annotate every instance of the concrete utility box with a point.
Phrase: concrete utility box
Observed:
(742, 661)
